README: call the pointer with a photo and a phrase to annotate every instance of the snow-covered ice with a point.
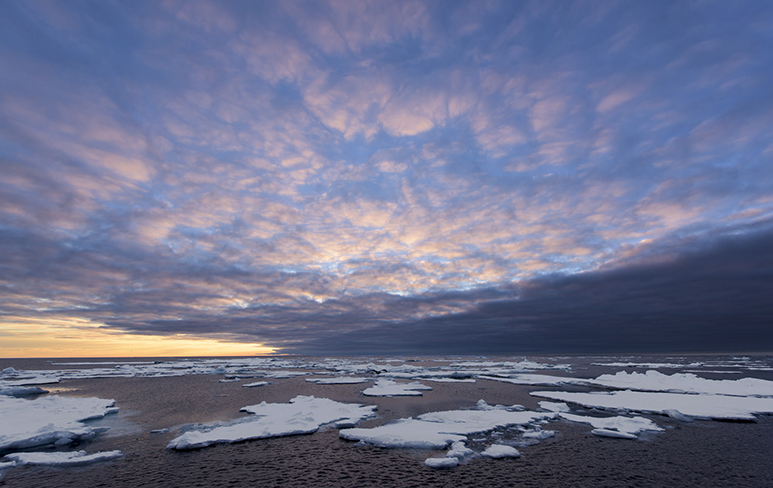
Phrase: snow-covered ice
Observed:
(77, 458)
(20, 391)
(441, 462)
(699, 406)
(49, 420)
(619, 426)
(256, 383)
(303, 415)
(459, 450)
(684, 383)
(436, 430)
(385, 387)
(500, 451)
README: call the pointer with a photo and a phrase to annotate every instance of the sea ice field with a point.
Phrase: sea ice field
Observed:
(359, 421)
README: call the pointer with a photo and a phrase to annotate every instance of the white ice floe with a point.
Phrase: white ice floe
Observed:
(500, 451)
(699, 406)
(343, 380)
(256, 383)
(685, 383)
(619, 426)
(78, 458)
(538, 434)
(303, 415)
(228, 380)
(537, 380)
(49, 420)
(554, 406)
(385, 387)
(441, 462)
(436, 430)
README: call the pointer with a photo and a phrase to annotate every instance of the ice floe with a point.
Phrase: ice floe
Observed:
(49, 420)
(20, 391)
(699, 406)
(436, 430)
(685, 383)
(343, 380)
(303, 415)
(256, 383)
(386, 387)
(619, 426)
(498, 451)
(537, 380)
(77, 458)
(441, 462)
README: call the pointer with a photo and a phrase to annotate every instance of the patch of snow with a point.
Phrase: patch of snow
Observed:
(79, 458)
(498, 451)
(387, 387)
(700, 406)
(49, 420)
(303, 415)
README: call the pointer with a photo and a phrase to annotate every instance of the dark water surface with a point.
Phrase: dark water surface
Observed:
(697, 454)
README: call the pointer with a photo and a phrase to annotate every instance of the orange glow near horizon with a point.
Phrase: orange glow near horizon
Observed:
(75, 340)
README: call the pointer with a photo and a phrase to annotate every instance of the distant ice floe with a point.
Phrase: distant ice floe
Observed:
(344, 380)
(78, 458)
(303, 415)
(704, 406)
(554, 407)
(256, 383)
(436, 430)
(49, 420)
(537, 380)
(685, 383)
(386, 387)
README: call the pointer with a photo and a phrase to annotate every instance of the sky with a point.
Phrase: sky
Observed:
(402, 177)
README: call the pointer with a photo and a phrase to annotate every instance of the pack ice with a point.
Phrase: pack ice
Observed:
(385, 387)
(303, 415)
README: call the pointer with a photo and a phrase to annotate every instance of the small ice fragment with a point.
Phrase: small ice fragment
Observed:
(443, 462)
(257, 383)
(677, 415)
(78, 458)
(20, 391)
(159, 431)
(539, 434)
(612, 433)
(459, 450)
(230, 380)
(500, 451)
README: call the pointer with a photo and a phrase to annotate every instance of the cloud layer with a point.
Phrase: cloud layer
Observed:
(305, 174)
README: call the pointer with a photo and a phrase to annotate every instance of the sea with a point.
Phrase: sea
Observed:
(159, 399)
